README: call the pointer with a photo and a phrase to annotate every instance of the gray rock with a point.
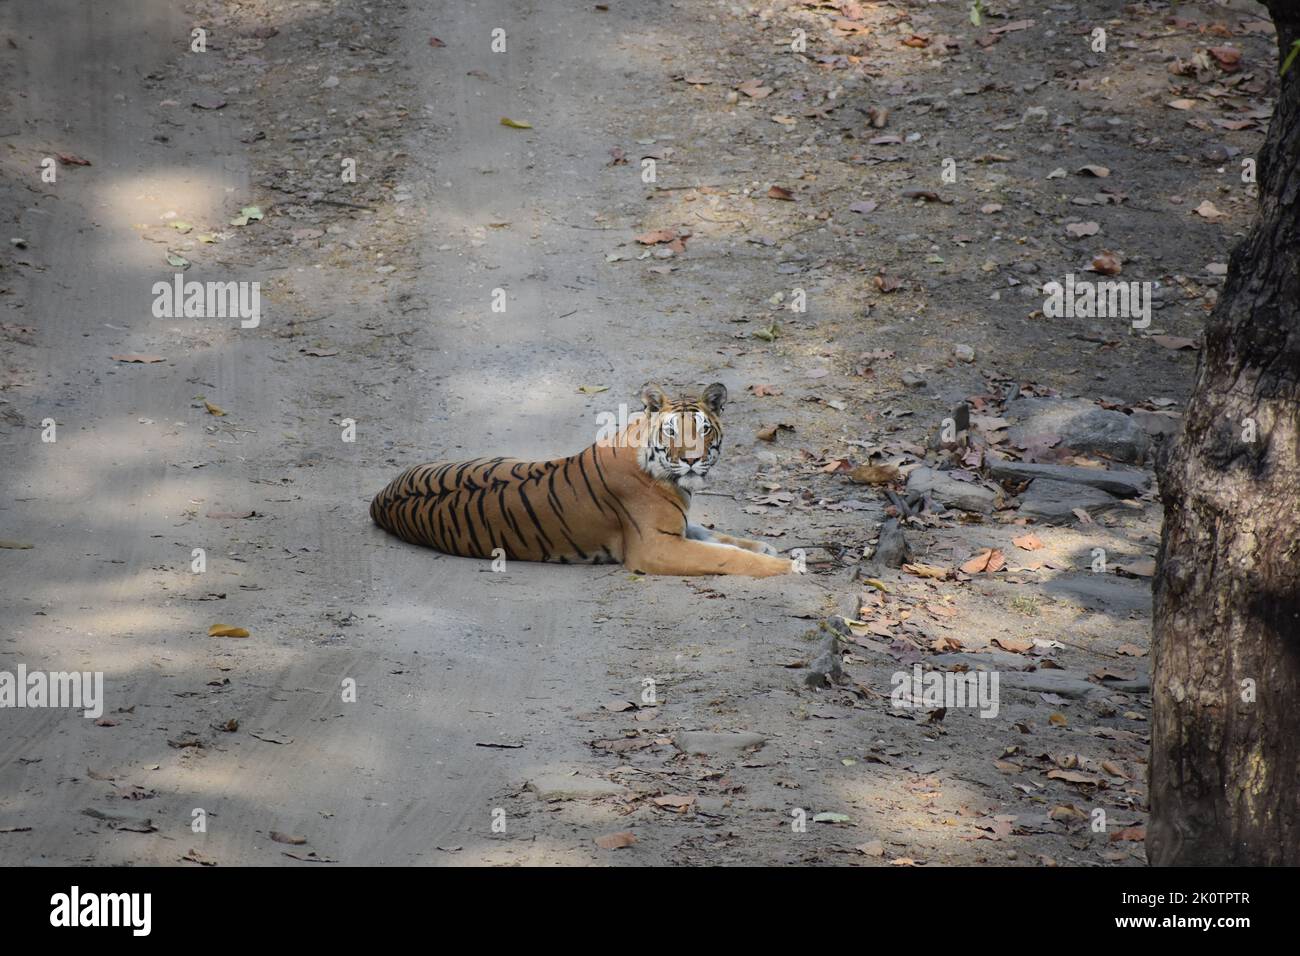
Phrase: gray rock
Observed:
(1101, 592)
(1081, 426)
(1138, 685)
(824, 671)
(1157, 424)
(1124, 482)
(562, 786)
(912, 380)
(892, 550)
(1062, 683)
(715, 744)
(826, 668)
(987, 661)
(950, 492)
(1054, 501)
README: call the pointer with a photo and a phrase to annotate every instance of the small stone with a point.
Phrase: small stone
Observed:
(1061, 683)
(963, 353)
(951, 492)
(1124, 482)
(1080, 425)
(1055, 501)
(561, 786)
(892, 550)
(988, 660)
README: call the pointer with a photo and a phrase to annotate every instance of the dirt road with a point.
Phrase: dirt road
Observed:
(391, 705)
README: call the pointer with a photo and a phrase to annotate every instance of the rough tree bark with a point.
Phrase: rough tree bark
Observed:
(1225, 744)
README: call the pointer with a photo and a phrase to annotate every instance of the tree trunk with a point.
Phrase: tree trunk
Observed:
(1225, 743)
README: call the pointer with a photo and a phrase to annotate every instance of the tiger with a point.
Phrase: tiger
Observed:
(623, 499)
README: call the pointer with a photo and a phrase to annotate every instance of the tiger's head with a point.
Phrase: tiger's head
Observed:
(683, 438)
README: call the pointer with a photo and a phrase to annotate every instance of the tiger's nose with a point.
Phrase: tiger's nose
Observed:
(692, 461)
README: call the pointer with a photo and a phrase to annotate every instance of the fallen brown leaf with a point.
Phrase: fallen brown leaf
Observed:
(1027, 542)
(873, 474)
(987, 561)
(1107, 264)
(227, 630)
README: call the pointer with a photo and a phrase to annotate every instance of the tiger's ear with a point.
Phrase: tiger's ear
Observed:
(715, 396)
(653, 398)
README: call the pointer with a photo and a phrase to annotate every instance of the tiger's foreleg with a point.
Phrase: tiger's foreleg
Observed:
(697, 532)
(681, 555)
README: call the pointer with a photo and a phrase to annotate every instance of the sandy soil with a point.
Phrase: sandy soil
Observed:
(499, 718)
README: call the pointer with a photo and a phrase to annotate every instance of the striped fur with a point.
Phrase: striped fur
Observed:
(624, 499)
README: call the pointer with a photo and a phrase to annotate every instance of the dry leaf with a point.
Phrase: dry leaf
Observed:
(135, 357)
(754, 89)
(226, 630)
(1135, 834)
(1027, 542)
(1208, 210)
(515, 124)
(287, 838)
(1014, 645)
(1107, 264)
(675, 802)
(1228, 58)
(780, 192)
(1074, 776)
(615, 841)
(926, 571)
(873, 474)
(1068, 813)
(987, 561)
(656, 236)
(213, 409)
